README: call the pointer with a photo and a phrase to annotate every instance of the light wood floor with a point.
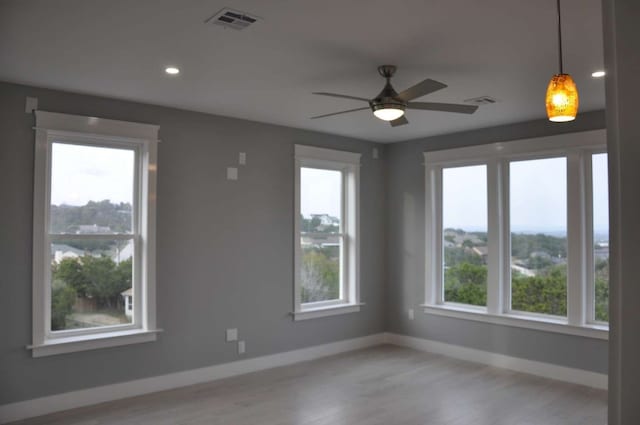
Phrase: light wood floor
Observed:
(380, 386)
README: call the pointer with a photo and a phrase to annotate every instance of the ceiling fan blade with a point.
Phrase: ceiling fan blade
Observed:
(445, 107)
(421, 89)
(338, 113)
(343, 96)
(399, 121)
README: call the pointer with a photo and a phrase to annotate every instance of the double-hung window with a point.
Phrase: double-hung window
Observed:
(326, 232)
(517, 233)
(94, 233)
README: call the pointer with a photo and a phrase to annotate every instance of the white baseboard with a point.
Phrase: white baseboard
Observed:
(70, 400)
(546, 370)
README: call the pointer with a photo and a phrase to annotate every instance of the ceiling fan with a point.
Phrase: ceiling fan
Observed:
(390, 105)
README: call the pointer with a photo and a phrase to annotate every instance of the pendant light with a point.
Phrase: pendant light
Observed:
(562, 94)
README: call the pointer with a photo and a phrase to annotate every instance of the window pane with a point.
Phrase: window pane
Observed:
(538, 215)
(91, 283)
(320, 269)
(321, 209)
(464, 221)
(320, 200)
(601, 235)
(91, 189)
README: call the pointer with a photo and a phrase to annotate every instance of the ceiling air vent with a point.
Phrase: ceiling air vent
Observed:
(482, 100)
(231, 18)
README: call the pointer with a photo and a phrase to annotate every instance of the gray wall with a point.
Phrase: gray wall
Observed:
(622, 62)
(224, 248)
(405, 264)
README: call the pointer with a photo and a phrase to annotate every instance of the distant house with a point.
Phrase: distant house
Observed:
(127, 296)
(326, 219)
(92, 229)
(122, 253)
(482, 251)
(61, 251)
(323, 241)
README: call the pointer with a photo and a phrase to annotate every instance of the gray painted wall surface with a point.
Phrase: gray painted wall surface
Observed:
(405, 264)
(622, 62)
(224, 248)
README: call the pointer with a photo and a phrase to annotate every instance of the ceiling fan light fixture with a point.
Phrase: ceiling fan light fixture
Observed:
(562, 98)
(388, 112)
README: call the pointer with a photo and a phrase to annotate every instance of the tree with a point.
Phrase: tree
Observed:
(315, 222)
(523, 245)
(320, 275)
(545, 293)
(95, 277)
(602, 289)
(454, 255)
(538, 262)
(63, 297)
(69, 270)
(466, 283)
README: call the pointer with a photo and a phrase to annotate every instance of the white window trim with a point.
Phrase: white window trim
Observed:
(99, 132)
(349, 164)
(577, 148)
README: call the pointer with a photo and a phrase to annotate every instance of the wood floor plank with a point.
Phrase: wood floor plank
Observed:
(385, 385)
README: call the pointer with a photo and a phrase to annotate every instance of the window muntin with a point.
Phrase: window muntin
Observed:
(464, 217)
(326, 266)
(538, 221)
(600, 237)
(91, 197)
(321, 237)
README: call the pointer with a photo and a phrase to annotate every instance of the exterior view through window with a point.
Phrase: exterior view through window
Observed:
(321, 235)
(91, 233)
(600, 186)
(538, 218)
(464, 217)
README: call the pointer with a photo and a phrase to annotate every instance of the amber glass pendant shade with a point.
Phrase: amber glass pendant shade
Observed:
(562, 98)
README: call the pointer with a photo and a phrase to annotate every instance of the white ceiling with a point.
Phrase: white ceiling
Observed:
(119, 48)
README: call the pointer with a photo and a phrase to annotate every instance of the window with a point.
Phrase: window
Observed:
(517, 233)
(326, 226)
(538, 219)
(464, 242)
(599, 272)
(94, 223)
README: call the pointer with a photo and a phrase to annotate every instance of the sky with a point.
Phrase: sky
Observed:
(80, 174)
(537, 188)
(538, 196)
(320, 192)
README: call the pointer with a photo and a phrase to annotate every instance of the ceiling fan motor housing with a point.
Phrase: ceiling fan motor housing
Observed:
(388, 97)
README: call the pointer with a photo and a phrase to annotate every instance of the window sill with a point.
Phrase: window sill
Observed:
(92, 342)
(331, 310)
(520, 320)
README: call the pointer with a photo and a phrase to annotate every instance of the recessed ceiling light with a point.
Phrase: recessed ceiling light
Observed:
(598, 74)
(172, 70)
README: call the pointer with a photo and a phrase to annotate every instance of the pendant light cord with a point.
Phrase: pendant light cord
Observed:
(560, 39)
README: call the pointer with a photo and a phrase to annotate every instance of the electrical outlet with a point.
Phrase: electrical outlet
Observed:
(232, 335)
(241, 347)
(374, 154)
(410, 314)
(242, 158)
